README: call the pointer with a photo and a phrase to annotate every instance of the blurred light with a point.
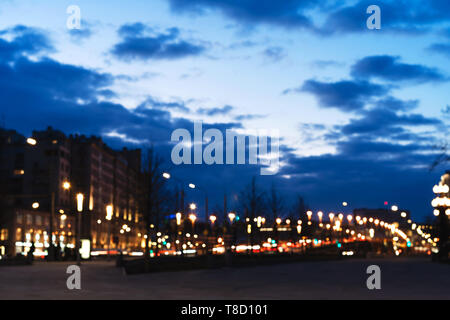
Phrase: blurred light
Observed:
(66, 185)
(166, 175)
(344, 204)
(394, 208)
(191, 185)
(31, 141)
(109, 212)
(192, 206)
(35, 205)
(80, 199)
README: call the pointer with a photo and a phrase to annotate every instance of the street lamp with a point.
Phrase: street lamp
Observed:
(192, 206)
(231, 216)
(109, 215)
(166, 175)
(213, 219)
(80, 200)
(349, 218)
(331, 216)
(31, 141)
(35, 205)
(66, 185)
(320, 215)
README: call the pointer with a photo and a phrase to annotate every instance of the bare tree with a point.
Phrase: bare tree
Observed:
(443, 156)
(154, 197)
(276, 203)
(252, 202)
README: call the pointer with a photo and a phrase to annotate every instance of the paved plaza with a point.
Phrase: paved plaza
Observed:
(401, 278)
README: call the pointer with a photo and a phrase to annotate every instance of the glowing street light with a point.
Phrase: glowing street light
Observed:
(344, 204)
(191, 185)
(320, 215)
(31, 141)
(309, 214)
(192, 206)
(231, 216)
(213, 219)
(394, 208)
(192, 217)
(278, 221)
(109, 212)
(178, 218)
(349, 218)
(66, 185)
(35, 205)
(80, 199)
(441, 188)
(331, 216)
(166, 175)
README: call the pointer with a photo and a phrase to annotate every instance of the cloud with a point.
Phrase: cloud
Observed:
(26, 41)
(326, 63)
(275, 54)
(140, 42)
(346, 95)
(385, 122)
(396, 16)
(286, 14)
(78, 35)
(441, 48)
(152, 102)
(389, 68)
(243, 117)
(215, 111)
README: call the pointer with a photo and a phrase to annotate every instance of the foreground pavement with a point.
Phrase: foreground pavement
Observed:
(401, 278)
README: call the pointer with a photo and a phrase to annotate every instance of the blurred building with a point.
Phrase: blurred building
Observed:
(108, 177)
(43, 174)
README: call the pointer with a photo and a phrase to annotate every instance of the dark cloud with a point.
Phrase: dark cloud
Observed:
(143, 43)
(26, 41)
(392, 103)
(396, 16)
(441, 48)
(152, 102)
(390, 68)
(286, 13)
(215, 111)
(346, 95)
(385, 122)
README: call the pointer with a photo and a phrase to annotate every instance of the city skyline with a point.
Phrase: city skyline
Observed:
(357, 125)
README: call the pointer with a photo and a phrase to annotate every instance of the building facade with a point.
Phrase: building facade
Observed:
(40, 177)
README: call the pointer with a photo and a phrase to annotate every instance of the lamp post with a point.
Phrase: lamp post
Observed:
(442, 204)
(109, 214)
(80, 200)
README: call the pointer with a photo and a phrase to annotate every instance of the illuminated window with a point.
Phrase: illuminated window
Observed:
(4, 234)
(19, 234)
(19, 172)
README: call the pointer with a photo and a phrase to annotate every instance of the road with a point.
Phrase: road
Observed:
(401, 278)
